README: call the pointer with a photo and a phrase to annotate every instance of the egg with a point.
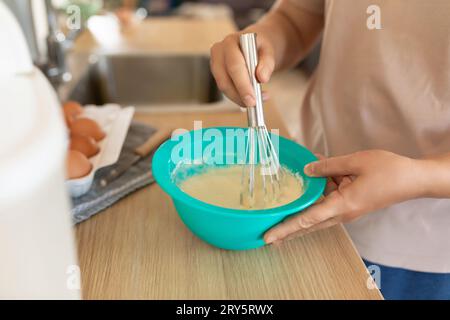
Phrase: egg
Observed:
(125, 16)
(85, 144)
(87, 127)
(72, 110)
(77, 165)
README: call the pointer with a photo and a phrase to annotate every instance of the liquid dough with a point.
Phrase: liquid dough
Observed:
(222, 187)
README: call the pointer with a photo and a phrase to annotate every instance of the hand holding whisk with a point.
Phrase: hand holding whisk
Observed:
(262, 162)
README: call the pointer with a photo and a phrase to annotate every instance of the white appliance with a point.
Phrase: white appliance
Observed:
(37, 251)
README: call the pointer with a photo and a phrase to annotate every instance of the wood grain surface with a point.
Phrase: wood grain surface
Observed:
(140, 249)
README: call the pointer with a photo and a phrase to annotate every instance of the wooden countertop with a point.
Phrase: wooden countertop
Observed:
(140, 249)
(157, 35)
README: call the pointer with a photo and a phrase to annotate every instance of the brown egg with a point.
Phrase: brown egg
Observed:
(125, 16)
(77, 165)
(72, 110)
(87, 127)
(85, 144)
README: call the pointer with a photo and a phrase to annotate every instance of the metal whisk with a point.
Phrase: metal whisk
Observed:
(261, 157)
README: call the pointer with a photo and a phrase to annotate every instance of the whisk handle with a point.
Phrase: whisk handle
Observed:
(249, 50)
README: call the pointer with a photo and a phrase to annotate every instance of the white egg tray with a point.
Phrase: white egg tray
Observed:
(115, 121)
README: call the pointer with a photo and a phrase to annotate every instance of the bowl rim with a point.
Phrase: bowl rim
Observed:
(161, 174)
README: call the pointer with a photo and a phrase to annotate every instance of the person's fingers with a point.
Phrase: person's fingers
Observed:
(233, 95)
(339, 179)
(330, 186)
(266, 63)
(329, 167)
(334, 183)
(345, 181)
(223, 80)
(332, 206)
(322, 225)
(230, 72)
(320, 156)
(225, 85)
(265, 95)
(216, 59)
(237, 70)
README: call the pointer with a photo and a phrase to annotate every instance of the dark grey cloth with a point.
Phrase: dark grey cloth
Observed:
(139, 175)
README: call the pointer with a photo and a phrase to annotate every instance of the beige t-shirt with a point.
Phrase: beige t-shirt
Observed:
(388, 89)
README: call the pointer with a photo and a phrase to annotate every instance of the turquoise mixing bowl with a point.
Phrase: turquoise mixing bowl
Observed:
(223, 227)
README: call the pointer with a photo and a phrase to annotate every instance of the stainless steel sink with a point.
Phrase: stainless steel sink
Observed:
(150, 82)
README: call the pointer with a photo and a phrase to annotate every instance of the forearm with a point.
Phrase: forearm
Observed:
(291, 30)
(434, 174)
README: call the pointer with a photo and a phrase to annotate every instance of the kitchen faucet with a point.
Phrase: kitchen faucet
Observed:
(57, 46)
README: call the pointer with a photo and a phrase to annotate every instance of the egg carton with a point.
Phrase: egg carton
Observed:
(115, 121)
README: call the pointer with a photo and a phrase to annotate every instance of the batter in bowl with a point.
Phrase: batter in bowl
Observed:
(222, 187)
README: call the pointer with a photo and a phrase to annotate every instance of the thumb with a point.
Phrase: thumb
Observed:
(330, 167)
(266, 64)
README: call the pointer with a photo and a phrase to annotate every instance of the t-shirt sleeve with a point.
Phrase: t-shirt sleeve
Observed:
(316, 6)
